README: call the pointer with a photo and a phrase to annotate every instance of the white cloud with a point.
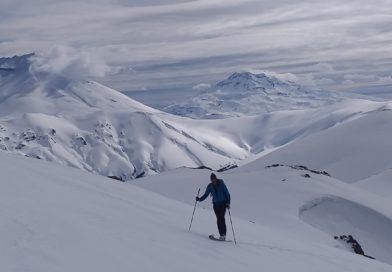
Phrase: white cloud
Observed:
(308, 80)
(69, 62)
(323, 81)
(201, 87)
(281, 76)
(357, 77)
(348, 82)
(385, 79)
(322, 67)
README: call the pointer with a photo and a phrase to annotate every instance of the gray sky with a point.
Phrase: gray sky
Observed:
(163, 44)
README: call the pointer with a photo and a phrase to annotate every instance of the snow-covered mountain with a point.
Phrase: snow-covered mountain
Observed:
(84, 124)
(92, 127)
(246, 93)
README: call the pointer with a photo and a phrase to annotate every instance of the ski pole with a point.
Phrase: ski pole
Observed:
(198, 192)
(232, 226)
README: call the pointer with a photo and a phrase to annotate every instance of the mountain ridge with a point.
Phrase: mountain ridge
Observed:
(89, 126)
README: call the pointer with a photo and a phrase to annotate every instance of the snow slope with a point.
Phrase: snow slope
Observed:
(89, 126)
(354, 151)
(246, 93)
(310, 209)
(61, 219)
(380, 184)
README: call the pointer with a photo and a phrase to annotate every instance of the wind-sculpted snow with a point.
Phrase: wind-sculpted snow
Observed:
(244, 94)
(338, 216)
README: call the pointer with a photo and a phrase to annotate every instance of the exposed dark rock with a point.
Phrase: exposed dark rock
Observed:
(142, 174)
(30, 138)
(81, 140)
(300, 167)
(227, 167)
(116, 178)
(20, 146)
(356, 247)
(306, 175)
(33, 156)
(202, 167)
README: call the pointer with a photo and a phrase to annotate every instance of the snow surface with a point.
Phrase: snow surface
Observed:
(61, 219)
(351, 152)
(284, 200)
(380, 184)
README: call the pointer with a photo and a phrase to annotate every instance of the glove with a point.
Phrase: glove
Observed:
(228, 205)
(197, 198)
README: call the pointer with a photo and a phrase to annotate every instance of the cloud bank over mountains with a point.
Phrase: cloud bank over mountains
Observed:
(69, 62)
(334, 44)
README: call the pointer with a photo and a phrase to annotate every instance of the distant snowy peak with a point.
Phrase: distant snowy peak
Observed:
(249, 81)
(21, 63)
(245, 93)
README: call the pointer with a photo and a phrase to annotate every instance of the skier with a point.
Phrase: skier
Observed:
(220, 200)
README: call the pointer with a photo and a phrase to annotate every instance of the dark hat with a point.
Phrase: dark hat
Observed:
(213, 176)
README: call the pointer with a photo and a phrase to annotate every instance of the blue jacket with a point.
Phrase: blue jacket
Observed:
(219, 193)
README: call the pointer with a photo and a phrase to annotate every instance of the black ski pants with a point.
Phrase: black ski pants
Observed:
(220, 210)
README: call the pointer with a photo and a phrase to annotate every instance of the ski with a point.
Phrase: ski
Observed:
(212, 237)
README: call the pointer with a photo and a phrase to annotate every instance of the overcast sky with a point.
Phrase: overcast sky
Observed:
(149, 44)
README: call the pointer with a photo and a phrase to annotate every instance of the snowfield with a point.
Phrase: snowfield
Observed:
(62, 219)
